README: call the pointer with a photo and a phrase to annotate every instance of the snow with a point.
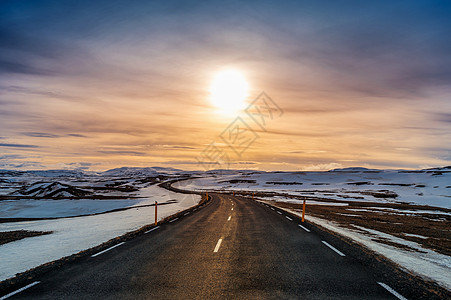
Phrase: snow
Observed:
(56, 208)
(424, 187)
(400, 211)
(415, 235)
(136, 171)
(72, 235)
(307, 202)
(53, 208)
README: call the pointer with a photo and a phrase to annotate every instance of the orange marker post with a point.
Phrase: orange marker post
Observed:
(156, 219)
(303, 211)
(252, 195)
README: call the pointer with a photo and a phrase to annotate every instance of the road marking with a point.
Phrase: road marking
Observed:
(289, 218)
(272, 208)
(19, 290)
(186, 214)
(152, 229)
(395, 293)
(308, 230)
(101, 252)
(229, 218)
(279, 212)
(333, 248)
(173, 220)
(232, 208)
(218, 244)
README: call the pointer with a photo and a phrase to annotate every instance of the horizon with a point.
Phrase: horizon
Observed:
(218, 170)
(167, 84)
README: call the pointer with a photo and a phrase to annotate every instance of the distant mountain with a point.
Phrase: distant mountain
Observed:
(44, 173)
(353, 169)
(137, 171)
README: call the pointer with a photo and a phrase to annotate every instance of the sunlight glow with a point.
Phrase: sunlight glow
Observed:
(229, 91)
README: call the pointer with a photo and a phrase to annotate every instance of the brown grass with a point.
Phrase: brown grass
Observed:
(10, 236)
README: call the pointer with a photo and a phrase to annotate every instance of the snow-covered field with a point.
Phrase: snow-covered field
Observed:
(74, 234)
(424, 187)
(344, 199)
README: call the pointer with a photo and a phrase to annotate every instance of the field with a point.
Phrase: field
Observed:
(402, 215)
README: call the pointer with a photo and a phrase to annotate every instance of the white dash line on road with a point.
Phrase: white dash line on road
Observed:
(272, 208)
(186, 214)
(289, 218)
(218, 244)
(19, 290)
(173, 220)
(395, 293)
(279, 212)
(101, 252)
(232, 208)
(229, 218)
(152, 229)
(308, 230)
(333, 248)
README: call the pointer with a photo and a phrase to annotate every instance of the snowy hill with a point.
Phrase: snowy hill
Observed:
(422, 187)
(51, 190)
(44, 173)
(137, 171)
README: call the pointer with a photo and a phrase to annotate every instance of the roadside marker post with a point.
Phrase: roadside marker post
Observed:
(303, 211)
(207, 196)
(156, 219)
(252, 195)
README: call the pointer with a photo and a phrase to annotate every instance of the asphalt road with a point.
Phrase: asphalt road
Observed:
(230, 249)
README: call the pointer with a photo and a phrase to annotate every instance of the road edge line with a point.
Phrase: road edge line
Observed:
(333, 248)
(392, 291)
(19, 290)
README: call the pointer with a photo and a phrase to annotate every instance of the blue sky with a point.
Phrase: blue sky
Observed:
(100, 84)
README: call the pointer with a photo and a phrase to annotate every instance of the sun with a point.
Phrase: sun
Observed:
(229, 91)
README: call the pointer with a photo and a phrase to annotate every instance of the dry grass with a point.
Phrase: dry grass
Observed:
(9, 236)
(434, 227)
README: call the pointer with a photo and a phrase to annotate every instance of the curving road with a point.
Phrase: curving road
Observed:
(231, 249)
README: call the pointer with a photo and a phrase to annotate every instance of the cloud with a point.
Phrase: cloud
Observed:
(22, 165)
(11, 156)
(123, 152)
(79, 165)
(41, 134)
(7, 67)
(45, 93)
(323, 167)
(77, 135)
(18, 145)
(443, 117)
(178, 147)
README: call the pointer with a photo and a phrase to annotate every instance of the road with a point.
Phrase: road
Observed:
(230, 249)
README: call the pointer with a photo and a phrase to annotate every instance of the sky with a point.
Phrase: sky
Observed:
(95, 85)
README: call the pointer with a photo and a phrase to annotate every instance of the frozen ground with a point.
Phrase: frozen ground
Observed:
(424, 187)
(56, 208)
(395, 197)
